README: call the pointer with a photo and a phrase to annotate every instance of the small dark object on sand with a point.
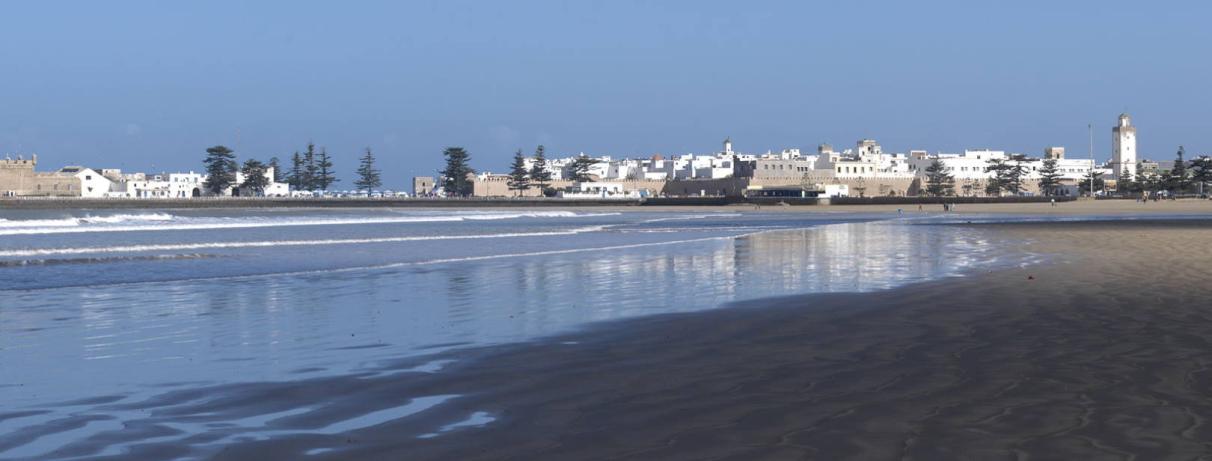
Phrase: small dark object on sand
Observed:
(1030, 277)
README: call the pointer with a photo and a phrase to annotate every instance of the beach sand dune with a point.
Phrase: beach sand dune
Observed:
(1101, 353)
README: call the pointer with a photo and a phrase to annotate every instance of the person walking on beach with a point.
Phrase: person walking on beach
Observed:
(1054, 202)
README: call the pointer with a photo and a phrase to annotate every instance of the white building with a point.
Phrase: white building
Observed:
(272, 189)
(866, 160)
(970, 169)
(178, 185)
(970, 165)
(183, 185)
(656, 168)
(92, 183)
(599, 190)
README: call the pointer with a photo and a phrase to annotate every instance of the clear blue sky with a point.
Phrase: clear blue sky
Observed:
(150, 85)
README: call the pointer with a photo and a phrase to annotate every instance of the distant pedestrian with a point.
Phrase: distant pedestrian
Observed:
(1054, 202)
(900, 211)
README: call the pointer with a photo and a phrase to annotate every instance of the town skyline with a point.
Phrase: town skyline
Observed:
(137, 86)
(395, 182)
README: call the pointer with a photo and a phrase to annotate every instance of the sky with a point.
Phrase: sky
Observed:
(149, 85)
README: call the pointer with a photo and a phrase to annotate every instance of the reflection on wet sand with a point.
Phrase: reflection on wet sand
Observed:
(193, 335)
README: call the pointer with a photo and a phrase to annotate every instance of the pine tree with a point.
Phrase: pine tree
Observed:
(1125, 182)
(1150, 182)
(1201, 171)
(939, 182)
(518, 176)
(454, 176)
(1178, 174)
(255, 179)
(997, 182)
(580, 169)
(1049, 177)
(310, 171)
(1084, 185)
(277, 166)
(325, 176)
(295, 178)
(220, 169)
(539, 174)
(1014, 172)
(368, 176)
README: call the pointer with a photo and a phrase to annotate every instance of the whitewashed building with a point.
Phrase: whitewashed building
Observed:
(599, 190)
(970, 169)
(92, 183)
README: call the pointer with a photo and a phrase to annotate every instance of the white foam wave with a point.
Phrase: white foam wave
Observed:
(114, 223)
(122, 218)
(17, 224)
(488, 216)
(280, 243)
(693, 216)
(7, 224)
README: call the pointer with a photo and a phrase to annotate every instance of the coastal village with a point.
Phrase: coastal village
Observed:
(863, 170)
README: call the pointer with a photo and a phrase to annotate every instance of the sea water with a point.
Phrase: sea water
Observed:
(98, 307)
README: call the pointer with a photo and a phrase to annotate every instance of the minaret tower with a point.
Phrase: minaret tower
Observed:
(728, 146)
(1123, 147)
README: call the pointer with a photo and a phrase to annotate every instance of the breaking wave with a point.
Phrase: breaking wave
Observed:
(6, 224)
(166, 222)
(279, 243)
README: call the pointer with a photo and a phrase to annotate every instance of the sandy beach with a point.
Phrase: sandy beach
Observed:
(1100, 353)
(1097, 351)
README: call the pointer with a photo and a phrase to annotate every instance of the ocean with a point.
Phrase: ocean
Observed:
(103, 311)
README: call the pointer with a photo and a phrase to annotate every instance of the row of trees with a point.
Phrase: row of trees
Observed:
(1185, 177)
(1009, 176)
(221, 168)
(538, 175)
(309, 171)
(521, 177)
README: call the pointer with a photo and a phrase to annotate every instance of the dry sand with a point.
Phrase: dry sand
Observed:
(1103, 353)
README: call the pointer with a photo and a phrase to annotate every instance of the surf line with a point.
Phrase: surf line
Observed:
(278, 243)
(74, 225)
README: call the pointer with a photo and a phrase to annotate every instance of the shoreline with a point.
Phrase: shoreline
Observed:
(1097, 353)
(55, 203)
(1071, 208)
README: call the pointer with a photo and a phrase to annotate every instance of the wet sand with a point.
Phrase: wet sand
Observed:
(1100, 354)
